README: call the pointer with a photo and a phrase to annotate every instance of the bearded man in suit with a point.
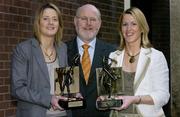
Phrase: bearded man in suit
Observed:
(87, 23)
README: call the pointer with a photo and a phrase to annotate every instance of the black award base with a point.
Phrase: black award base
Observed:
(72, 103)
(109, 103)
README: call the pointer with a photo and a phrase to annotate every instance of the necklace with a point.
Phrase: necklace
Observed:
(49, 56)
(132, 57)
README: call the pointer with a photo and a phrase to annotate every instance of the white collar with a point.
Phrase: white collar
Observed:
(91, 44)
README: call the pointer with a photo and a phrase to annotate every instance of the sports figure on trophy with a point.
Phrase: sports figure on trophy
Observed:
(65, 80)
(110, 83)
(67, 84)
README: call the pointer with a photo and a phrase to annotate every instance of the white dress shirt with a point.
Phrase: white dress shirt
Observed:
(91, 49)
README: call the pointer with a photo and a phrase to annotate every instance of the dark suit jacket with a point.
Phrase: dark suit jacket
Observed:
(30, 82)
(89, 91)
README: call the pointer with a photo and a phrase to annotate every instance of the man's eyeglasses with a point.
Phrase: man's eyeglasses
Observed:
(86, 19)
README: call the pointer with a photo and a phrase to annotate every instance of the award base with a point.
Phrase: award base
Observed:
(109, 103)
(72, 103)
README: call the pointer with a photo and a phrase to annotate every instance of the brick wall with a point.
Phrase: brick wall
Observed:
(15, 25)
(16, 18)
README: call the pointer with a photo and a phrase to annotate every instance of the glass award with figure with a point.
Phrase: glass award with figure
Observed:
(67, 84)
(110, 83)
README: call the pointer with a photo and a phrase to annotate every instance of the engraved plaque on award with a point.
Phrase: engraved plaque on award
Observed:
(67, 84)
(110, 83)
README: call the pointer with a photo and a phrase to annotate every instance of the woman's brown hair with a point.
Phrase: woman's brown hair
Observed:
(39, 14)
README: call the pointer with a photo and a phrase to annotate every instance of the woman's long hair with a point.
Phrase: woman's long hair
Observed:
(39, 14)
(142, 23)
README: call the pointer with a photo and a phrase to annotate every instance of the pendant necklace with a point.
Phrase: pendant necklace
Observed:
(46, 54)
(132, 57)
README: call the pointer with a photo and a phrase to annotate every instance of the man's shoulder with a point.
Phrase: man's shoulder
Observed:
(99, 42)
(71, 43)
(104, 44)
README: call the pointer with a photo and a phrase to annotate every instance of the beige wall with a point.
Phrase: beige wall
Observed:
(175, 55)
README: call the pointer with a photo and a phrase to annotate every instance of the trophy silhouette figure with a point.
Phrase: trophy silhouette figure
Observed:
(67, 84)
(110, 83)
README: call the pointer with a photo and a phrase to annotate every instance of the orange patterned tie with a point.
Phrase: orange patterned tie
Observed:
(86, 62)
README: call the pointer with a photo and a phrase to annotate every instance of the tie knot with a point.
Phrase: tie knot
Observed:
(85, 46)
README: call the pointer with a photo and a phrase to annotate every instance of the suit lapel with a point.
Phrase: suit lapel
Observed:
(95, 62)
(39, 57)
(72, 50)
(58, 51)
(142, 66)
